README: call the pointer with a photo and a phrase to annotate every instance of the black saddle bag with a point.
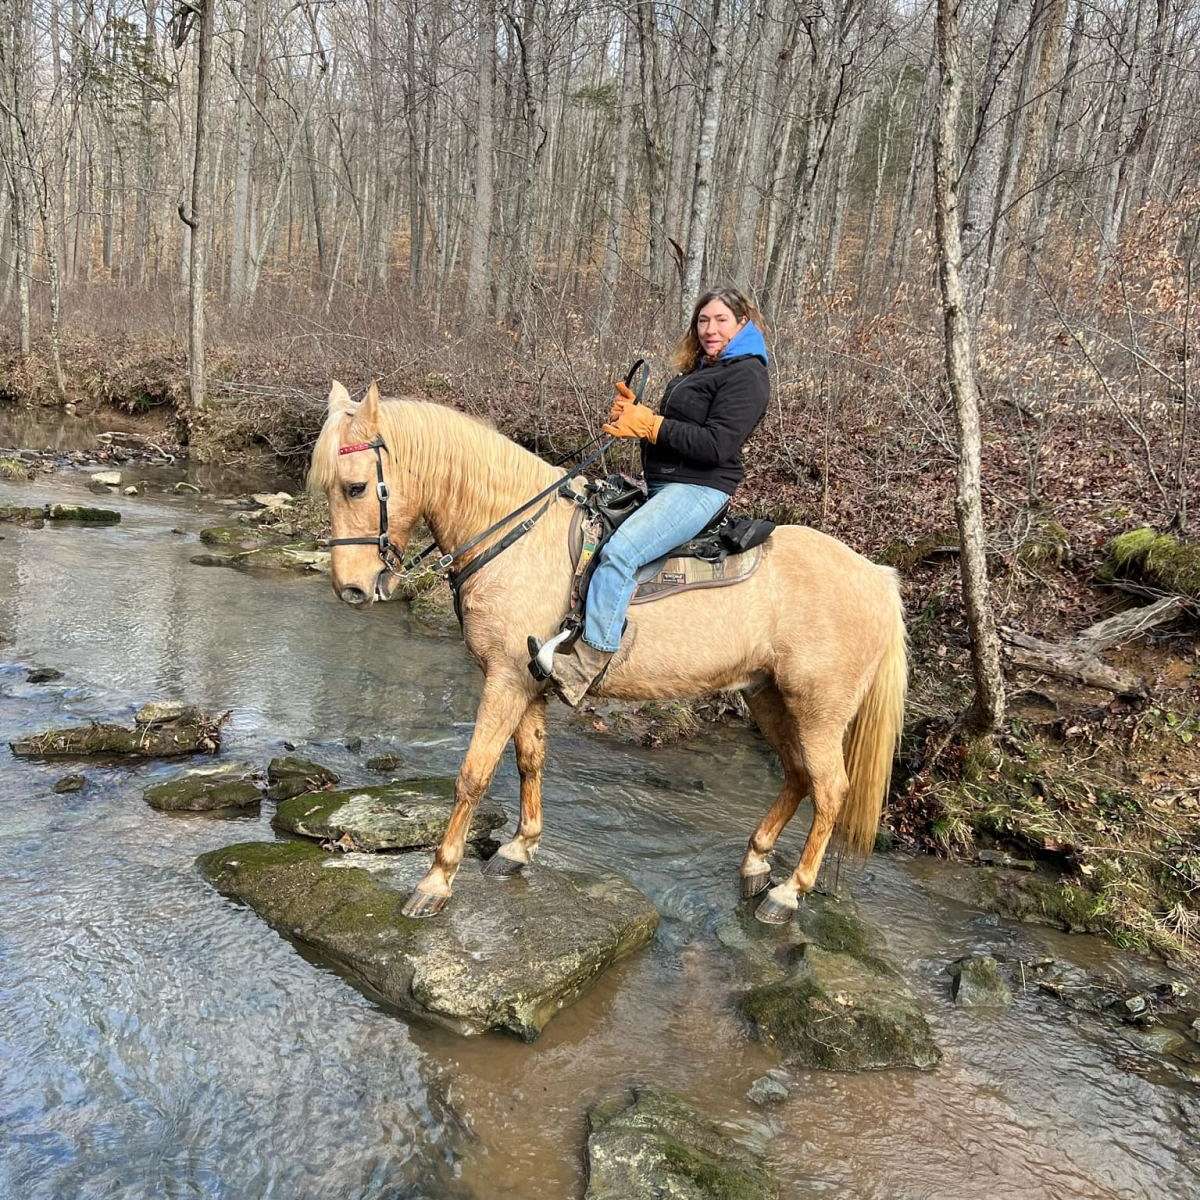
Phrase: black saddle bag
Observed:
(738, 534)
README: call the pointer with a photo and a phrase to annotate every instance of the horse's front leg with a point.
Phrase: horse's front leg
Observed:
(529, 741)
(500, 709)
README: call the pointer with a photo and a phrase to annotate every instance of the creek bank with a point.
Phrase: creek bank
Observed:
(214, 790)
(403, 815)
(159, 731)
(503, 955)
(649, 1144)
(825, 992)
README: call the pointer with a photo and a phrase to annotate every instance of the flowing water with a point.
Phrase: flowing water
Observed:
(157, 1040)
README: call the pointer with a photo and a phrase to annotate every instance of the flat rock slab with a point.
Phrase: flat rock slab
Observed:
(205, 791)
(651, 1145)
(826, 993)
(290, 776)
(404, 815)
(143, 741)
(503, 955)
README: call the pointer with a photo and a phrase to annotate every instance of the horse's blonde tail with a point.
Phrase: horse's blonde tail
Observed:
(875, 735)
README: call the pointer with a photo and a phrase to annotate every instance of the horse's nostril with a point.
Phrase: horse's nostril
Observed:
(353, 595)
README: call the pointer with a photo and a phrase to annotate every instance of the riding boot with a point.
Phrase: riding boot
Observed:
(576, 670)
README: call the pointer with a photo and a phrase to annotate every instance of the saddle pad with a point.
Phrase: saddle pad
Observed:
(674, 575)
(667, 576)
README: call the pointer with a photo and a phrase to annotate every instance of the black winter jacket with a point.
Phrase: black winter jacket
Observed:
(708, 414)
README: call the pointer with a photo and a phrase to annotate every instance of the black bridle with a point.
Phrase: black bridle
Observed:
(389, 555)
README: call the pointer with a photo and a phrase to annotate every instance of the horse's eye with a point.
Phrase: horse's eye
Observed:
(355, 490)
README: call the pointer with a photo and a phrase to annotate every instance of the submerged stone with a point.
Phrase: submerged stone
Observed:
(69, 783)
(385, 762)
(143, 741)
(772, 1088)
(20, 514)
(288, 777)
(166, 712)
(652, 1145)
(237, 537)
(976, 982)
(503, 955)
(205, 791)
(402, 815)
(826, 992)
(43, 675)
(301, 555)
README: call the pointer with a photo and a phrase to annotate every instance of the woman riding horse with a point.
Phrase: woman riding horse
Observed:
(692, 461)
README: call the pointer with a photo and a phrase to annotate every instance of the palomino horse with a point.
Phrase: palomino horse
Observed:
(814, 638)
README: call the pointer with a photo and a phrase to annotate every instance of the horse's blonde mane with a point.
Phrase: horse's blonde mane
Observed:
(463, 461)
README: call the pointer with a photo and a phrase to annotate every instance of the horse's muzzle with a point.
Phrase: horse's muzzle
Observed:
(354, 596)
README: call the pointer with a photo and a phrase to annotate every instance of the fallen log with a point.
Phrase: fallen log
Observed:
(1078, 659)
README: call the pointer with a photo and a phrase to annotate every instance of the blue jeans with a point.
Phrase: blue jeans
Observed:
(674, 513)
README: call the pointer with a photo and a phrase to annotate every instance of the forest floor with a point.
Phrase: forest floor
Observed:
(1092, 800)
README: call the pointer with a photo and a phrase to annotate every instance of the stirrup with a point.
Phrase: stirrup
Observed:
(541, 654)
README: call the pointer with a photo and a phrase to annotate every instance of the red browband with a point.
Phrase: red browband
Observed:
(355, 448)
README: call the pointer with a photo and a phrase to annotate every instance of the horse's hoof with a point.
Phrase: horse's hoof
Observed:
(500, 866)
(755, 885)
(772, 912)
(424, 904)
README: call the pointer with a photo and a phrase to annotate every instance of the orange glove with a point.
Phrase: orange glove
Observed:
(628, 418)
(621, 400)
(635, 421)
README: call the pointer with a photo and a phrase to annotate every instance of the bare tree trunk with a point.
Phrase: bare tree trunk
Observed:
(481, 216)
(714, 86)
(995, 103)
(197, 219)
(616, 200)
(243, 139)
(987, 711)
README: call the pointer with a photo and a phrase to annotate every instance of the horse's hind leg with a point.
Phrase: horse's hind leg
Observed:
(827, 774)
(500, 710)
(530, 743)
(771, 716)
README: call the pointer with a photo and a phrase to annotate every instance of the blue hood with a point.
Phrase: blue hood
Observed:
(747, 340)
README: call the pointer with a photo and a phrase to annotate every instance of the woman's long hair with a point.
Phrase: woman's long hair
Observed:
(688, 352)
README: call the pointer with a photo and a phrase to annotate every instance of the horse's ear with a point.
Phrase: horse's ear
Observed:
(339, 398)
(368, 413)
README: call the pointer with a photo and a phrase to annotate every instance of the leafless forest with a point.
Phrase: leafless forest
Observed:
(501, 203)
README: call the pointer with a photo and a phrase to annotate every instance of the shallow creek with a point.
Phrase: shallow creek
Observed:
(156, 1040)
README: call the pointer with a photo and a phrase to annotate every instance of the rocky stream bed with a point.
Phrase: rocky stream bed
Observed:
(208, 985)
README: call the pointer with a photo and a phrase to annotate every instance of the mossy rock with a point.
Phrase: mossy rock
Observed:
(84, 514)
(976, 982)
(402, 815)
(651, 1145)
(143, 741)
(825, 991)
(1164, 561)
(500, 956)
(205, 791)
(290, 776)
(834, 1013)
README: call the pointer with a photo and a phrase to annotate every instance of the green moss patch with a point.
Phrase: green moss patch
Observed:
(1161, 560)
